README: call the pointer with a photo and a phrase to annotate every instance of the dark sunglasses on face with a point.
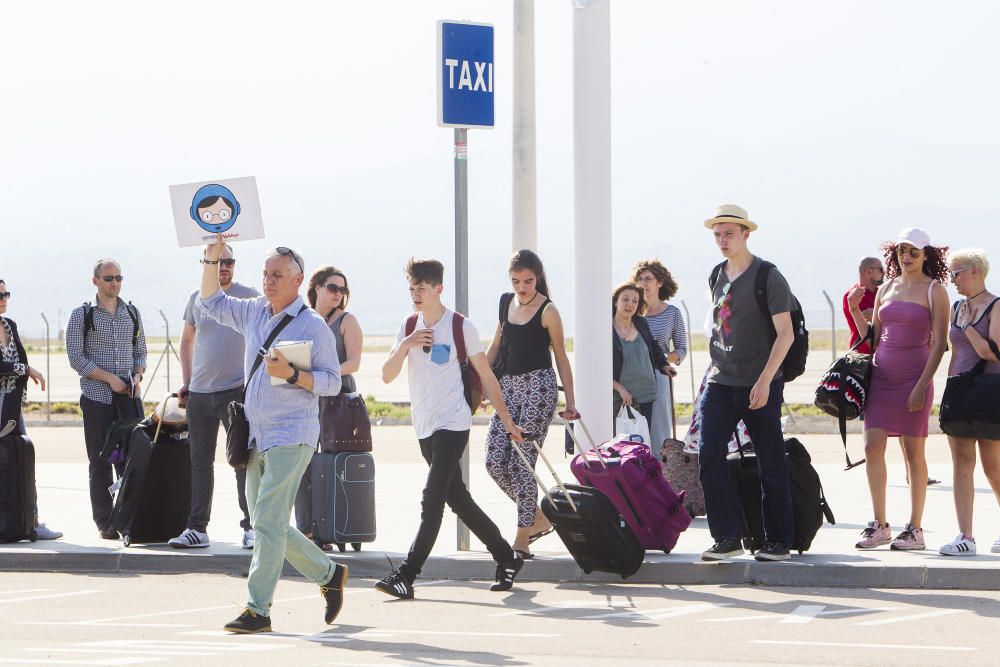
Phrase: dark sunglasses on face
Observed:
(955, 274)
(914, 253)
(336, 289)
(229, 263)
(288, 252)
(5, 295)
(111, 279)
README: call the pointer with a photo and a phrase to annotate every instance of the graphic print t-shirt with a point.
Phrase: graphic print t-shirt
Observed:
(741, 334)
(437, 396)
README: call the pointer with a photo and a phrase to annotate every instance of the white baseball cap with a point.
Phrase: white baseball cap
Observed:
(914, 236)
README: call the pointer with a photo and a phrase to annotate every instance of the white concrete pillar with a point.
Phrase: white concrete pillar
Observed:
(525, 209)
(592, 212)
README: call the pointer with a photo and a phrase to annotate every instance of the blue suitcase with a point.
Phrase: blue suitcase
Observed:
(343, 501)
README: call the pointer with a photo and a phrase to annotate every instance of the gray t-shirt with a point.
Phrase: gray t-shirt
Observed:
(218, 350)
(741, 334)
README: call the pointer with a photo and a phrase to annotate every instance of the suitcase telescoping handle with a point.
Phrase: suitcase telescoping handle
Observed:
(555, 476)
(590, 441)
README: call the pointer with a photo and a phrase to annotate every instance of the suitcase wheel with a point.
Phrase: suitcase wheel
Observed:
(33, 535)
(666, 551)
(357, 546)
(342, 547)
(127, 540)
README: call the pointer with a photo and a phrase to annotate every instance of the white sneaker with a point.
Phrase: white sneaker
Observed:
(45, 533)
(960, 546)
(248, 538)
(189, 539)
(995, 549)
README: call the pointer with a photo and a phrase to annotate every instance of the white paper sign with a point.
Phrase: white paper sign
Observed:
(230, 207)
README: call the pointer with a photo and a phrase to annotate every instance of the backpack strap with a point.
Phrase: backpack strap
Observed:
(760, 288)
(458, 333)
(713, 277)
(505, 300)
(411, 324)
(133, 313)
(88, 321)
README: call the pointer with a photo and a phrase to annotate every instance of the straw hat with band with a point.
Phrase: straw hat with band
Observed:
(731, 213)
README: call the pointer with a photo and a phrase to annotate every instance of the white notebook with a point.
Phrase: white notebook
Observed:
(298, 353)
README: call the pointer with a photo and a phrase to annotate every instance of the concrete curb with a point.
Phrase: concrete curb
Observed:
(477, 566)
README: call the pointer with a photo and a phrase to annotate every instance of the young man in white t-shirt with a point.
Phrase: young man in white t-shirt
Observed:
(442, 419)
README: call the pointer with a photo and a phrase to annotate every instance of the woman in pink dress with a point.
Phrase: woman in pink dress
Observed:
(910, 322)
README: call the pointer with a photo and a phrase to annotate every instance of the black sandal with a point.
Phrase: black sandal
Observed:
(526, 555)
(539, 535)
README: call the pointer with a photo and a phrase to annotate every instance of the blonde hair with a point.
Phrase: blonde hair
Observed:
(974, 258)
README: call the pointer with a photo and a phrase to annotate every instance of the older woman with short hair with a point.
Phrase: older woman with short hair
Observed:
(975, 322)
(636, 358)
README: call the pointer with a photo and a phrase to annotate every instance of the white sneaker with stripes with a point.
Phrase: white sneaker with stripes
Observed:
(995, 549)
(960, 546)
(189, 539)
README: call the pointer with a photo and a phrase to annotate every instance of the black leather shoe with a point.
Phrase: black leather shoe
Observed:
(109, 533)
(248, 623)
(333, 592)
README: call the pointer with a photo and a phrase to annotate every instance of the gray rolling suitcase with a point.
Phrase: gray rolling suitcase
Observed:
(343, 502)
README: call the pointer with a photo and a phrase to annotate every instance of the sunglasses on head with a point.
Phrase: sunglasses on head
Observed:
(288, 252)
(336, 289)
(111, 279)
(914, 253)
(5, 295)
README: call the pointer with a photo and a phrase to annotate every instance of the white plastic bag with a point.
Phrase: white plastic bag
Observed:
(630, 423)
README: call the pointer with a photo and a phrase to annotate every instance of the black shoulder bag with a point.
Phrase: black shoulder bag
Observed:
(969, 403)
(499, 366)
(238, 435)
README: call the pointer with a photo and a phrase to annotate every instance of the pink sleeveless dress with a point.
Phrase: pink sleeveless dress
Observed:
(900, 357)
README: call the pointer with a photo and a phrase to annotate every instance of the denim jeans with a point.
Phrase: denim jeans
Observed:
(443, 452)
(722, 408)
(272, 479)
(204, 413)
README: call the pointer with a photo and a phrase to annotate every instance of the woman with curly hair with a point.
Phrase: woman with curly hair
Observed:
(910, 325)
(667, 327)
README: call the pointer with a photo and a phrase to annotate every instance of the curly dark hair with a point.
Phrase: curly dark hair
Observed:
(622, 288)
(660, 272)
(935, 262)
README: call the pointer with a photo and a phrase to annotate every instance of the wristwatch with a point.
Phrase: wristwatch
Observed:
(294, 377)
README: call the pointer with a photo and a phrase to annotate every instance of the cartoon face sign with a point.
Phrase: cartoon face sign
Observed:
(214, 208)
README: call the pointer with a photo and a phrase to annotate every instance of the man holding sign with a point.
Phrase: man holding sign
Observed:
(284, 425)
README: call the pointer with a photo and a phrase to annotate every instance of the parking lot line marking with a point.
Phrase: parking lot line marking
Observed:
(864, 645)
(136, 651)
(28, 590)
(50, 596)
(101, 661)
(662, 612)
(562, 606)
(153, 614)
(914, 617)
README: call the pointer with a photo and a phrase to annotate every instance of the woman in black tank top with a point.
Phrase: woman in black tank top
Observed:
(529, 327)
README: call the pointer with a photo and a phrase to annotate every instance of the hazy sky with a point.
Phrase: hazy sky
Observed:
(834, 124)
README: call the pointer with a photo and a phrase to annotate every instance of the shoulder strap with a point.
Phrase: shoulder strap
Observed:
(411, 324)
(267, 343)
(505, 300)
(760, 286)
(133, 312)
(713, 277)
(458, 333)
(88, 319)
(930, 295)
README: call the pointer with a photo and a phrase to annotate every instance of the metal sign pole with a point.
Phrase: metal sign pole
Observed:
(462, 274)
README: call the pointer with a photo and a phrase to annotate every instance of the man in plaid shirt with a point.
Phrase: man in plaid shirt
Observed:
(110, 357)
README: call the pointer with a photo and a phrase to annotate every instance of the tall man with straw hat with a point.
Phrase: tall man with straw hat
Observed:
(745, 382)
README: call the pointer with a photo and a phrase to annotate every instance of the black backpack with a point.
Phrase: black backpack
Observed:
(88, 321)
(794, 364)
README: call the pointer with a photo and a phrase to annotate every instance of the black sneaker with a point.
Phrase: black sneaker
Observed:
(333, 592)
(506, 573)
(723, 549)
(248, 622)
(773, 551)
(396, 585)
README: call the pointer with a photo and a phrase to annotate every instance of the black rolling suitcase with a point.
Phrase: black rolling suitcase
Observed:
(17, 488)
(809, 506)
(589, 525)
(343, 498)
(154, 492)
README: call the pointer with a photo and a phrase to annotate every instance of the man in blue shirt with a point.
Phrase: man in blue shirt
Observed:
(284, 426)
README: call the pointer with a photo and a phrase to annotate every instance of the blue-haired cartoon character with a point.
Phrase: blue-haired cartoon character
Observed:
(214, 208)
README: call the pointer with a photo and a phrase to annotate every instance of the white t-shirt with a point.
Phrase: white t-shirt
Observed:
(437, 397)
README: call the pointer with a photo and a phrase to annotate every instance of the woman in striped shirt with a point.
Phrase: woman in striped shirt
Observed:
(667, 326)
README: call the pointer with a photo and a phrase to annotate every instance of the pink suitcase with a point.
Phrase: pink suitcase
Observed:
(628, 474)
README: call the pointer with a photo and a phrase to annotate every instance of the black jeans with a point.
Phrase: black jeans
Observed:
(443, 452)
(97, 417)
(204, 413)
(722, 408)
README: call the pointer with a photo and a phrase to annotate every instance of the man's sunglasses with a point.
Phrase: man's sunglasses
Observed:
(111, 279)
(5, 295)
(336, 289)
(288, 252)
(229, 263)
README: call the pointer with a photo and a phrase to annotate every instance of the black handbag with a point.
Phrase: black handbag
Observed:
(238, 434)
(970, 399)
(344, 425)
(843, 389)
